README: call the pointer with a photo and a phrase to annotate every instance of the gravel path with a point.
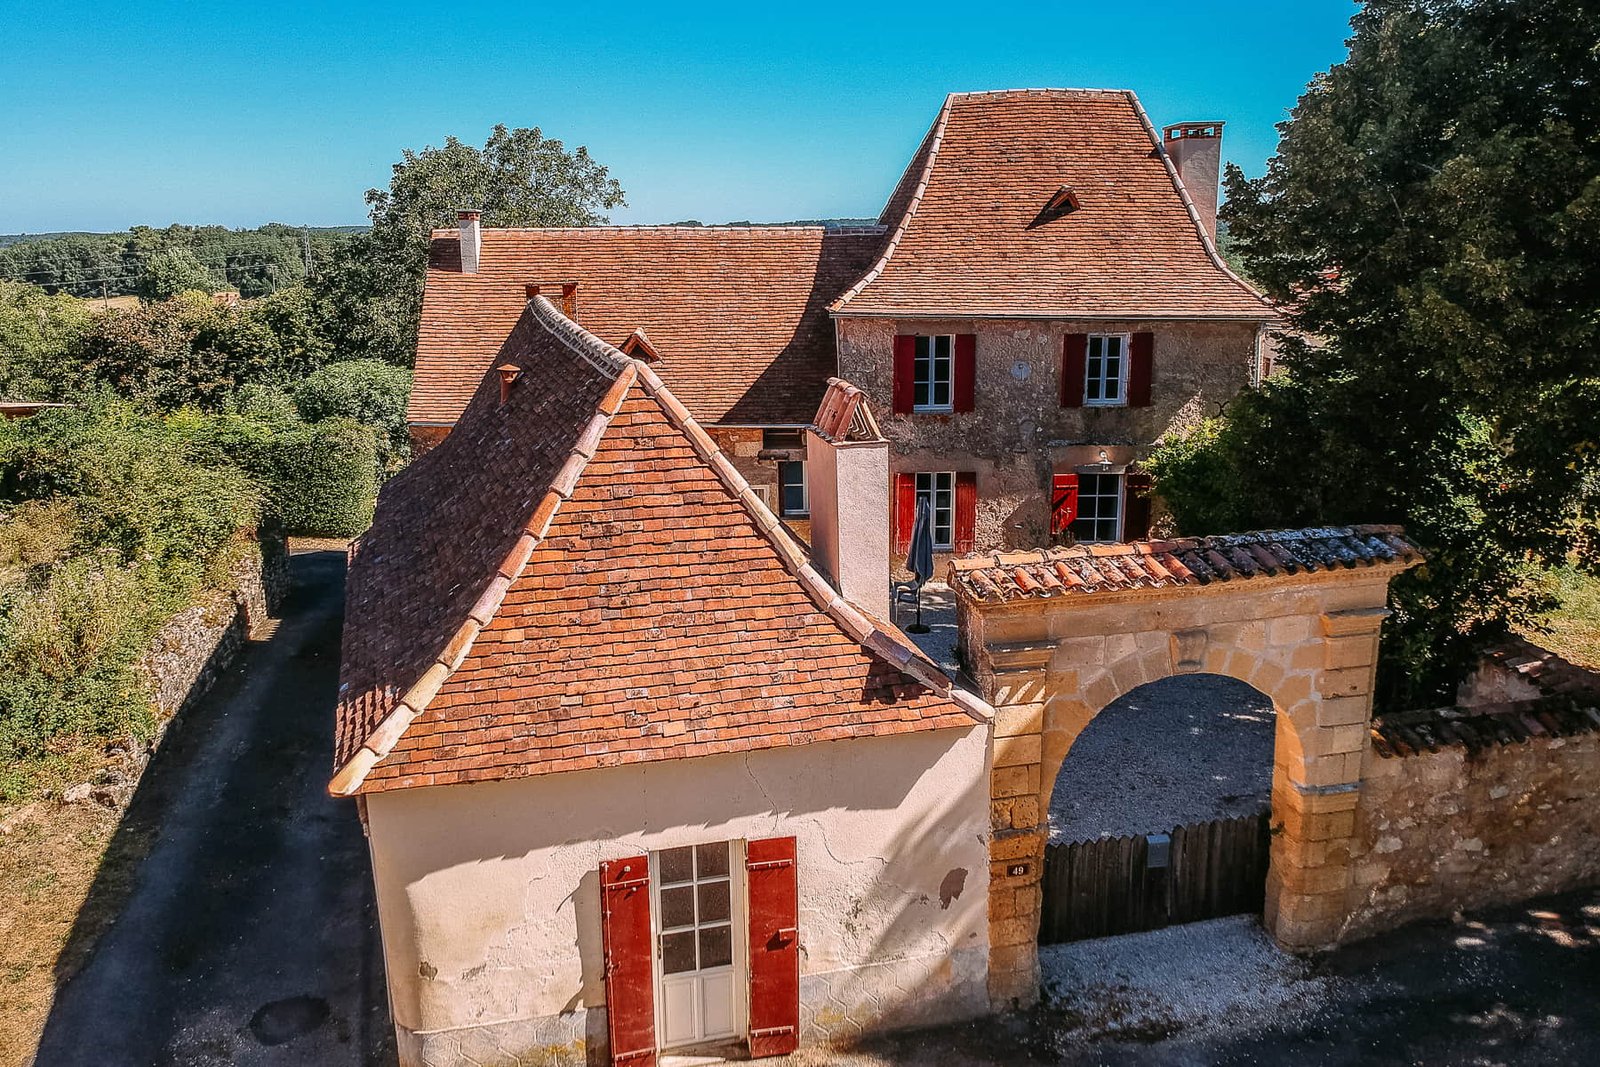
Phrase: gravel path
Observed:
(1180, 750)
(939, 616)
(1223, 975)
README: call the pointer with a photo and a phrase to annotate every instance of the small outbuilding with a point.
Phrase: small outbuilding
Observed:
(640, 772)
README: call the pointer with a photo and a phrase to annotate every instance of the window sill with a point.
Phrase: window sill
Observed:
(933, 411)
(1105, 403)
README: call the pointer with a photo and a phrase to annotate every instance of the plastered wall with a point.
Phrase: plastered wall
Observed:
(490, 908)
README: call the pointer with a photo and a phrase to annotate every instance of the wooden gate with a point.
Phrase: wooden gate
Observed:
(1120, 885)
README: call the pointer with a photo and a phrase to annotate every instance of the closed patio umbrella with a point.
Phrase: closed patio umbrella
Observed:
(919, 559)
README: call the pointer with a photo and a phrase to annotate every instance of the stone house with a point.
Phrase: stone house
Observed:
(639, 772)
(1038, 303)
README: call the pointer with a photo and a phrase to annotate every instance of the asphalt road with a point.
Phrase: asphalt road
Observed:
(250, 935)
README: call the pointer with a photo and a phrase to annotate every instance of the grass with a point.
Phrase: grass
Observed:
(1573, 629)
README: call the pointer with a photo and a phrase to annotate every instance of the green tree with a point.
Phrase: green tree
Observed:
(37, 331)
(172, 271)
(367, 390)
(1432, 218)
(519, 178)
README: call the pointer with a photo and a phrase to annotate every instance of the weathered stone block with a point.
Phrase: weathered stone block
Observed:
(1016, 781)
(1018, 719)
(1017, 751)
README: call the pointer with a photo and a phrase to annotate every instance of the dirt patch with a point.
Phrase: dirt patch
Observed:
(52, 856)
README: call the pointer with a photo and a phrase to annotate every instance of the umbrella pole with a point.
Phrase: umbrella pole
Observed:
(917, 627)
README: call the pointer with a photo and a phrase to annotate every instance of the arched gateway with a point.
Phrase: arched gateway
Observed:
(1054, 635)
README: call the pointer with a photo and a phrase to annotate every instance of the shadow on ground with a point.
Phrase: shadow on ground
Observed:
(248, 935)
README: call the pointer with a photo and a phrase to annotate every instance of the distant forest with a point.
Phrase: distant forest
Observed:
(255, 262)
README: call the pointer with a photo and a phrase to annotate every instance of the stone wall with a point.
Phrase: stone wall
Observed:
(192, 649)
(1440, 832)
(759, 466)
(1018, 432)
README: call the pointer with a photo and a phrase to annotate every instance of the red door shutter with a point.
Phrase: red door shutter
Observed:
(1141, 368)
(1063, 501)
(774, 946)
(966, 510)
(965, 372)
(905, 373)
(1136, 507)
(905, 511)
(1074, 363)
(629, 961)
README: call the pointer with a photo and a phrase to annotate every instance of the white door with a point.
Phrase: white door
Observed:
(697, 943)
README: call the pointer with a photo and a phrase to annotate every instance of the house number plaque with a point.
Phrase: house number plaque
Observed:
(1017, 870)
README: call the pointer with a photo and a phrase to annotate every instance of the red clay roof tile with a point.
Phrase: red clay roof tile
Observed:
(968, 238)
(571, 580)
(736, 314)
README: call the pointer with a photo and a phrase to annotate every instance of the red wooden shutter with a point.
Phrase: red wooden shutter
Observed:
(905, 511)
(629, 960)
(1063, 501)
(774, 946)
(1141, 368)
(905, 373)
(966, 510)
(1074, 362)
(965, 372)
(1136, 507)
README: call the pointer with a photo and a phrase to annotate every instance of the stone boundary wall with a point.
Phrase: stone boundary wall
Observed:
(1440, 832)
(188, 654)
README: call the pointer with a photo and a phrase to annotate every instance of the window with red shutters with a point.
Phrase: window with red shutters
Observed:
(1074, 363)
(1136, 507)
(966, 511)
(773, 891)
(966, 372)
(1063, 501)
(1141, 369)
(905, 511)
(628, 950)
(905, 373)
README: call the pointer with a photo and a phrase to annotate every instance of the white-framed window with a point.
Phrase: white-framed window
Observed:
(1105, 371)
(938, 488)
(698, 910)
(934, 384)
(792, 497)
(1099, 508)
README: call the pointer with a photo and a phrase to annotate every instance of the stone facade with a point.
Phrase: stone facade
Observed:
(188, 654)
(1018, 433)
(1049, 665)
(1446, 831)
(759, 466)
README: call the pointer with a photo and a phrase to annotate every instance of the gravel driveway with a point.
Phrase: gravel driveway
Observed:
(1180, 750)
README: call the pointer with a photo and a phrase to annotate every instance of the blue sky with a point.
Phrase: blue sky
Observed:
(211, 112)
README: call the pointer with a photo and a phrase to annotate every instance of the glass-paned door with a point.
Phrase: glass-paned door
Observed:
(696, 901)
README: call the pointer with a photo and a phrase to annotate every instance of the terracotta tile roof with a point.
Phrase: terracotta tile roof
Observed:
(1567, 705)
(1084, 569)
(968, 237)
(578, 578)
(737, 314)
(1480, 728)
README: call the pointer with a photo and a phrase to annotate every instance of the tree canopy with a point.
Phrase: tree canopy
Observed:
(519, 178)
(1431, 224)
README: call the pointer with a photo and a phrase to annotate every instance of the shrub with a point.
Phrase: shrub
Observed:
(321, 479)
(366, 390)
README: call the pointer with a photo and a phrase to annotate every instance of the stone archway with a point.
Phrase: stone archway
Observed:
(1053, 636)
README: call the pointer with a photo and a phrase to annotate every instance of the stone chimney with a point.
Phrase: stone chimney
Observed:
(471, 240)
(1196, 151)
(847, 483)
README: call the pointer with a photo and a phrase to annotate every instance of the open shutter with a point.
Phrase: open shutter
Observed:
(1141, 368)
(1136, 507)
(629, 961)
(774, 946)
(1074, 363)
(966, 511)
(905, 511)
(1063, 501)
(965, 372)
(905, 373)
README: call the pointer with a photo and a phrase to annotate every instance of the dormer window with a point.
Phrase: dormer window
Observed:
(639, 347)
(1064, 201)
